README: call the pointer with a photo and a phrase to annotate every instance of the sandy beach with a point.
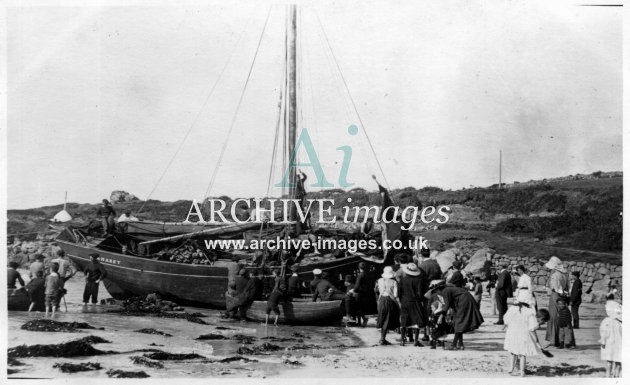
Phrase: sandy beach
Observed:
(296, 351)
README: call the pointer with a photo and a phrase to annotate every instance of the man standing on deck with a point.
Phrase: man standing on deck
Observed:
(94, 274)
(107, 214)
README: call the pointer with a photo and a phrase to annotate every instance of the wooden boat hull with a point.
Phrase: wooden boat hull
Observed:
(164, 229)
(195, 285)
(297, 312)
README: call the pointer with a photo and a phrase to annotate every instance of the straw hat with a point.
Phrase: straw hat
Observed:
(388, 272)
(411, 269)
(555, 264)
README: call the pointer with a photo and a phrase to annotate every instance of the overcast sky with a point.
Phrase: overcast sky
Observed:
(99, 98)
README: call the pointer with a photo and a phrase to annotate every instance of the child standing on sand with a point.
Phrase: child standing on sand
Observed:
(520, 337)
(610, 333)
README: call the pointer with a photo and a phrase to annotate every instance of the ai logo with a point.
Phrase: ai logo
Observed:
(314, 163)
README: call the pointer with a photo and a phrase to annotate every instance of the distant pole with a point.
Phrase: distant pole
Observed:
(500, 160)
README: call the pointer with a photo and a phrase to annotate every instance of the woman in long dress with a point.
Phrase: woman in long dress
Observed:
(388, 305)
(466, 315)
(412, 311)
(558, 285)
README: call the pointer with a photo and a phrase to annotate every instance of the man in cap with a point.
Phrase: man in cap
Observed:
(37, 265)
(326, 290)
(359, 296)
(294, 283)
(107, 214)
(94, 274)
(504, 290)
(317, 276)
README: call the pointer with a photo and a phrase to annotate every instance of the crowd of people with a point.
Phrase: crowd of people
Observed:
(46, 286)
(424, 304)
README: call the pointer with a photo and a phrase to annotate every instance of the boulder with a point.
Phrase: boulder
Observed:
(603, 271)
(478, 265)
(122, 196)
(445, 259)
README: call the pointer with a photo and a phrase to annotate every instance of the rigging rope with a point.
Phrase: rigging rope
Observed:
(238, 107)
(351, 98)
(203, 106)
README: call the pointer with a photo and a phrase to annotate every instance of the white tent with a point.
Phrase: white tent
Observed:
(62, 216)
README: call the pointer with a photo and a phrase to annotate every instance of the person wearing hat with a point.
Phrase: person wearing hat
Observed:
(520, 335)
(455, 276)
(611, 340)
(576, 298)
(293, 286)
(107, 214)
(317, 276)
(94, 273)
(358, 295)
(437, 324)
(326, 291)
(388, 305)
(503, 291)
(36, 266)
(466, 315)
(558, 286)
(412, 308)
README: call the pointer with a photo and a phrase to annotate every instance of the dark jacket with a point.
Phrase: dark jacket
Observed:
(564, 318)
(241, 284)
(361, 284)
(431, 269)
(576, 291)
(466, 316)
(12, 276)
(322, 290)
(106, 211)
(293, 287)
(411, 289)
(36, 289)
(504, 283)
(94, 271)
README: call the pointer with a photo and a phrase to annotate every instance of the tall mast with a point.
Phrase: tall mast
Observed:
(500, 166)
(292, 110)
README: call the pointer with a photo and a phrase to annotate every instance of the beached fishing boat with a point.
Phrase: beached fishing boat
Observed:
(299, 311)
(138, 264)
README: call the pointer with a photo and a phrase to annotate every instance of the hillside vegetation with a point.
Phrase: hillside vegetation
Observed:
(582, 214)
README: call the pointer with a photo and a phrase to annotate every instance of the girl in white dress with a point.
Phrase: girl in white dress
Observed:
(520, 337)
(610, 333)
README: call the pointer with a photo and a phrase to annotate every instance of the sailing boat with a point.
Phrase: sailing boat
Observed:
(135, 264)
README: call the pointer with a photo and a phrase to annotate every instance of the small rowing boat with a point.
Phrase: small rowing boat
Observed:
(299, 311)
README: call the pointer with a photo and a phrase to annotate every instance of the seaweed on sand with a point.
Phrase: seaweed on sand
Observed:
(146, 362)
(153, 331)
(67, 367)
(14, 362)
(47, 325)
(244, 339)
(212, 336)
(236, 358)
(164, 356)
(259, 349)
(116, 373)
(76, 348)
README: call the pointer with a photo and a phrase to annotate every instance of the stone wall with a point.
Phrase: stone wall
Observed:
(596, 277)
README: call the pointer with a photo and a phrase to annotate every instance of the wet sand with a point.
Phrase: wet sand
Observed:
(318, 351)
